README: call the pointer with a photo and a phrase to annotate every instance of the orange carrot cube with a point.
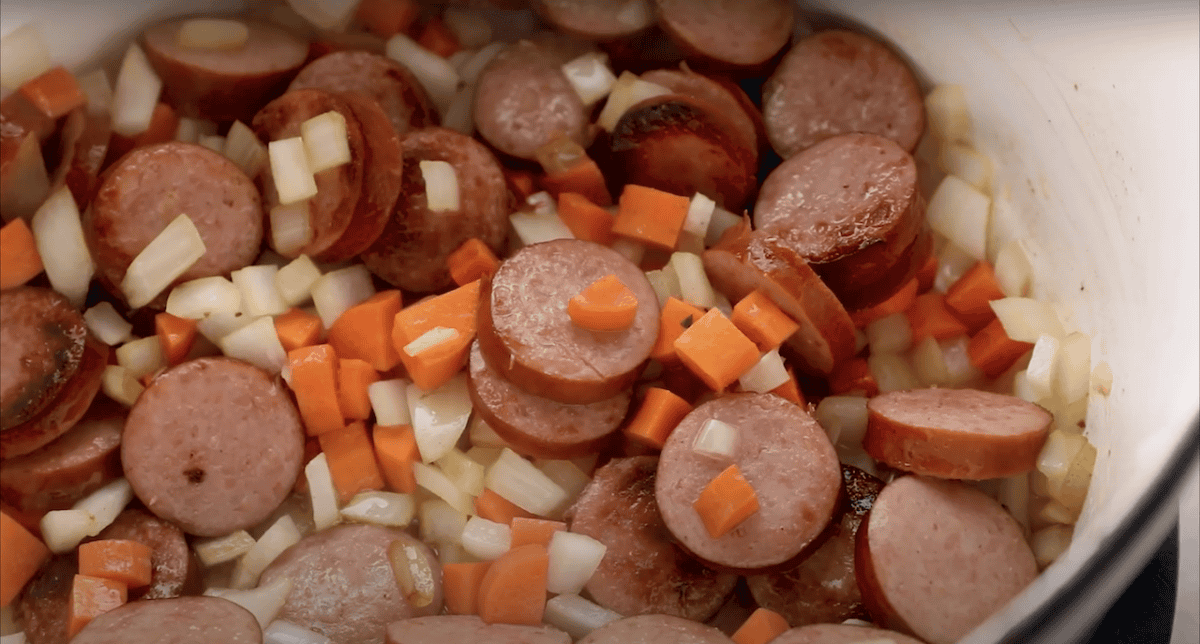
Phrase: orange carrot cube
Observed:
(762, 321)
(605, 305)
(726, 501)
(651, 216)
(716, 351)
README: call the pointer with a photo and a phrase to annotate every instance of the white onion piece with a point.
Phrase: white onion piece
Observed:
(219, 325)
(435, 481)
(947, 114)
(892, 372)
(518, 481)
(58, 233)
(25, 55)
(665, 283)
(460, 115)
(389, 401)
(380, 508)
(263, 602)
(928, 362)
(1054, 512)
(120, 385)
(485, 539)
(482, 435)
(214, 142)
(766, 374)
(576, 615)
(334, 15)
(295, 280)
(26, 182)
(244, 149)
(260, 296)
(322, 492)
(959, 211)
(1074, 367)
(485, 456)
(1014, 272)
(441, 186)
(190, 130)
(106, 324)
(573, 560)
(567, 475)
(1057, 455)
(470, 70)
(439, 416)
(439, 521)
(135, 95)
(721, 221)
(627, 91)
(212, 33)
(98, 90)
(283, 632)
(282, 535)
(325, 141)
(1042, 365)
(844, 419)
(431, 338)
(533, 228)
(1022, 389)
(966, 163)
(414, 575)
(689, 243)
(1014, 495)
(205, 296)
(218, 550)
(142, 357)
(693, 281)
(105, 504)
(335, 292)
(889, 334)
(590, 76)
(1050, 542)
(470, 28)
(290, 170)
(716, 439)
(256, 343)
(700, 213)
(63, 530)
(630, 250)
(1025, 319)
(466, 474)
(165, 258)
(436, 74)
(959, 368)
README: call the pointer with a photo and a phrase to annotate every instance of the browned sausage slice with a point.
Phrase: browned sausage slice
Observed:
(173, 569)
(537, 426)
(343, 585)
(597, 19)
(956, 433)
(841, 634)
(44, 605)
(379, 77)
(469, 629)
(527, 336)
(224, 84)
(936, 558)
(784, 455)
(213, 445)
(849, 205)
(836, 82)
(642, 572)
(411, 251)
(41, 347)
(523, 101)
(189, 620)
(727, 96)
(85, 136)
(746, 33)
(149, 187)
(655, 629)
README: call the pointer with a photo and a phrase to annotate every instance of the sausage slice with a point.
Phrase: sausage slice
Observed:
(597, 19)
(44, 604)
(173, 569)
(956, 433)
(655, 629)
(84, 145)
(642, 572)
(746, 33)
(469, 629)
(41, 347)
(374, 76)
(189, 620)
(935, 558)
(784, 455)
(725, 94)
(841, 634)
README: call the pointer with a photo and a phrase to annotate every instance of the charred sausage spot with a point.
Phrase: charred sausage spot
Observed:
(194, 475)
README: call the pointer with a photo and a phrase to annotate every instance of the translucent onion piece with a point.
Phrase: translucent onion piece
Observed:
(218, 550)
(25, 55)
(58, 233)
(441, 186)
(325, 141)
(141, 357)
(205, 296)
(517, 480)
(844, 419)
(322, 492)
(212, 33)
(295, 280)
(164, 259)
(414, 575)
(120, 385)
(627, 91)
(244, 149)
(716, 439)
(282, 535)
(106, 324)
(290, 170)
(960, 212)
(136, 94)
(947, 113)
(590, 76)
(693, 280)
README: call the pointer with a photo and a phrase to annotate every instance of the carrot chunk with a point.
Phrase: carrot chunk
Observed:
(897, 303)
(790, 390)
(853, 375)
(651, 216)
(432, 359)
(351, 460)
(386, 18)
(992, 351)
(120, 560)
(19, 257)
(658, 416)
(354, 377)
(715, 350)
(761, 627)
(460, 584)
(364, 330)
(533, 530)
(585, 219)
(92, 597)
(582, 177)
(513, 590)
(726, 501)
(928, 316)
(520, 184)
(605, 305)
(675, 318)
(968, 297)
(396, 451)
(471, 261)
(437, 38)
(432, 364)
(314, 381)
(54, 93)
(23, 555)
(177, 336)
(494, 507)
(762, 321)
(297, 328)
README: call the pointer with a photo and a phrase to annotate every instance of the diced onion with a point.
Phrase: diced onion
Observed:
(212, 33)
(259, 295)
(576, 615)
(1074, 367)
(892, 372)
(322, 492)
(1014, 495)
(482, 435)
(190, 130)
(517, 480)
(106, 324)
(721, 221)
(947, 114)
(565, 474)
(573, 560)
(627, 91)
(26, 182)
(218, 550)
(460, 114)
(889, 334)
(767, 374)
(205, 296)
(716, 439)
(295, 280)
(1014, 273)
(485, 456)
(1022, 389)
(960, 212)
(135, 95)
(282, 535)
(1071, 491)
(1054, 512)
(290, 170)
(414, 576)
(25, 55)
(1057, 455)
(105, 504)
(256, 343)
(244, 149)
(1039, 374)
(334, 15)
(142, 357)
(439, 416)
(1050, 542)
(165, 258)
(435, 481)
(953, 263)
(263, 602)
(959, 368)
(533, 228)
(470, 70)
(441, 186)
(700, 212)
(1102, 378)
(928, 362)
(120, 385)
(380, 508)
(335, 292)
(485, 539)
(466, 474)
(689, 243)
(213, 142)
(630, 250)
(470, 28)
(591, 77)
(441, 522)
(693, 281)
(218, 325)
(966, 163)
(58, 233)
(844, 419)
(665, 283)
(389, 401)
(282, 632)
(98, 90)
(1025, 319)
(63, 530)
(436, 74)
(325, 141)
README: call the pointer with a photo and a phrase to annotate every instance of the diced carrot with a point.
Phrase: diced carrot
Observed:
(437, 38)
(19, 257)
(583, 177)
(386, 18)
(761, 627)
(314, 381)
(54, 93)
(992, 351)
(714, 349)
(533, 530)
(897, 303)
(675, 318)
(297, 328)
(90, 598)
(23, 555)
(513, 590)
(927, 273)
(364, 331)
(471, 261)
(354, 377)
(396, 451)
(928, 316)
(351, 459)
(494, 507)
(726, 501)
(454, 310)
(604, 305)
(176, 335)
(651, 216)
(657, 417)
(164, 122)
(520, 184)
(968, 297)
(585, 219)
(120, 560)
(434, 365)
(460, 585)
(762, 321)
(853, 375)
(790, 390)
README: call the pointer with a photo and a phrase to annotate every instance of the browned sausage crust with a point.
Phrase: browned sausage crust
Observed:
(44, 604)
(41, 347)
(399, 94)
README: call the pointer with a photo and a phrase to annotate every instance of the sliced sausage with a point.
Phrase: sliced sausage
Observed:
(849, 205)
(375, 76)
(343, 585)
(84, 144)
(469, 629)
(757, 261)
(210, 461)
(224, 84)
(746, 33)
(726, 95)
(936, 558)
(18, 117)
(822, 588)
(173, 569)
(44, 604)
(560, 48)
(411, 251)
(785, 456)
(956, 433)
(683, 145)
(643, 571)
(523, 101)
(339, 188)
(836, 82)
(597, 19)
(841, 634)
(527, 336)
(900, 274)
(41, 347)
(537, 426)
(655, 629)
(189, 620)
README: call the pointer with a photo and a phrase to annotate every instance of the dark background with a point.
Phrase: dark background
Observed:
(1145, 612)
